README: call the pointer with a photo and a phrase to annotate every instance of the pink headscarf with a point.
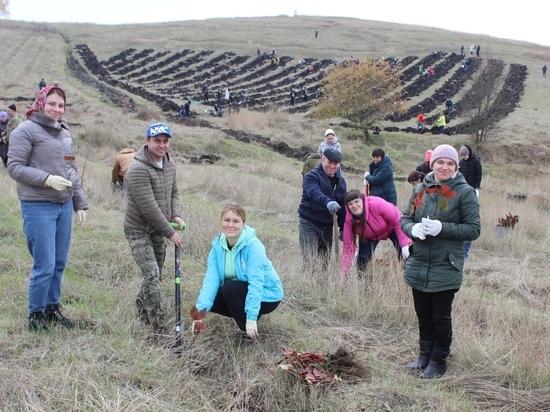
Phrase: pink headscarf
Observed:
(40, 100)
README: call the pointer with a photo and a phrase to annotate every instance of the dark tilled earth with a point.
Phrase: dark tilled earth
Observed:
(165, 78)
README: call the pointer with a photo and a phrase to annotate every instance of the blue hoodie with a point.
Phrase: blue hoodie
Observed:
(251, 265)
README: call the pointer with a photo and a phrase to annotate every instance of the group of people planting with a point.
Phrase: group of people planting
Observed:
(431, 235)
(240, 281)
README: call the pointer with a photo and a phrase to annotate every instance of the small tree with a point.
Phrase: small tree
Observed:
(481, 105)
(4, 8)
(361, 93)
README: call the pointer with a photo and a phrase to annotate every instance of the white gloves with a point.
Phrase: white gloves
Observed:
(365, 181)
(477, 192)
(81, 216)
(405, 252)
(333, 207)
(58, 182)
(252, 329)
(431, 227)
(418, 232)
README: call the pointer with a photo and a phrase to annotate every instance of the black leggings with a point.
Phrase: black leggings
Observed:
(434, 316)
(230, 301)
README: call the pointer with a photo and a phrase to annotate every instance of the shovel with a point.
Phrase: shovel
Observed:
(177, 279)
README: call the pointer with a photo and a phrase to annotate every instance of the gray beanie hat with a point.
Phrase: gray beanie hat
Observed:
(444, 151)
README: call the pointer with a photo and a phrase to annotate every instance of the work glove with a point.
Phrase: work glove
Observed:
(365, 181)
(405, 252)
(418, 232)
(477, 192)
(252, 329)
(197, 327)
(431, 227)
(197, 316)
(81, 216)
(58, 182)
(333, 207)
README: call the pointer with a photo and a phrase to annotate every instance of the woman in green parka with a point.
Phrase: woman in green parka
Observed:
(443, 212)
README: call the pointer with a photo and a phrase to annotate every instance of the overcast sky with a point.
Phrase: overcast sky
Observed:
(526, 20)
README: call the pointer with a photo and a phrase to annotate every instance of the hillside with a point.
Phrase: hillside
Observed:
(168, 67)
(120, 78)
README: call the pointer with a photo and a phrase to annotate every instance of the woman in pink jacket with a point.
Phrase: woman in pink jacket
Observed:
(372, 219)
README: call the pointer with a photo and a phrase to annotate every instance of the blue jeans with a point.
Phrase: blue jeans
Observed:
(47, 226)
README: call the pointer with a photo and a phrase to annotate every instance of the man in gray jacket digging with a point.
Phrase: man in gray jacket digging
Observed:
(153, 202)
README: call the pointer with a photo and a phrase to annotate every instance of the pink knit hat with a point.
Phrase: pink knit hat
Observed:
(428, 155)
(444, 151)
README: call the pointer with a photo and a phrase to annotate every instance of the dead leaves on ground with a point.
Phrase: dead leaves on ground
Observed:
(316, 369)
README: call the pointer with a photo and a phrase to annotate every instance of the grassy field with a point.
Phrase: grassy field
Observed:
(501, 348)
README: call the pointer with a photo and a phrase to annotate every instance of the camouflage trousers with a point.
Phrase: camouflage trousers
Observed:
(149, 252)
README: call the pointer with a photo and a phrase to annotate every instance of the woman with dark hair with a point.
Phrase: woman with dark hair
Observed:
(380, 177)
(371, 219)
(42, 162)
(240, 281)
(415, 178)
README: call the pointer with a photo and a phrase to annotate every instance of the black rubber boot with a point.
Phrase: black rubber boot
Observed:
(437, 365)
(423, 357)
(53, 314)
(37, 322)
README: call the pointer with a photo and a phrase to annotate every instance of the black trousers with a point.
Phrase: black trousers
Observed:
(230, 301)
(434, 317)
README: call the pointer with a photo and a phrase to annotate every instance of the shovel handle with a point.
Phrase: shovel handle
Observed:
(176, 226)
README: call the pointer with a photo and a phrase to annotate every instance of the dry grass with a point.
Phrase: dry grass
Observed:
(500, 351)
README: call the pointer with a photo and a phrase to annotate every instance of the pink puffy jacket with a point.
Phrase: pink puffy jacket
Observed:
(382, 218)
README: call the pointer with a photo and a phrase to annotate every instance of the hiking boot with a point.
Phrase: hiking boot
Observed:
(438, 363)
(423, 357)
(53, 314)
(37, 322)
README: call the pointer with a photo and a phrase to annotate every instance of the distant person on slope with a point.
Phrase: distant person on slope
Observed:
(441, 122)
(420, 122)
(15, 120)
(424, 167)
(331, 141)
(380, 177)
(470, 167)
(123, 160)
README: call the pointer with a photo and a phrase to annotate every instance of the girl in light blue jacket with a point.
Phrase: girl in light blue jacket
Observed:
(240, 280)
